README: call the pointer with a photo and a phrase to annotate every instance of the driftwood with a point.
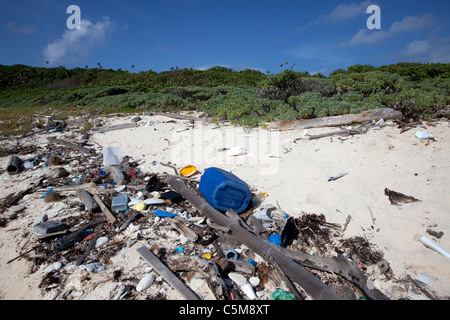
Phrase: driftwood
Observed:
(241, 266)
(207, 269)
(348, 132)
(116, 127)
(183, 229)
(91, 245)
(70, 145)
(22, 254)
(340, 265)
(166, 273)
(312, 285)
(12, 198)
(335, 121)
(104, 209)
(335, 133)
(177, 116)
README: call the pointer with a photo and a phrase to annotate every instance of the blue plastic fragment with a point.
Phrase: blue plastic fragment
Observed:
(45, 194)
(253, 262)
(163, 214)
(275, 238)
(178, 249)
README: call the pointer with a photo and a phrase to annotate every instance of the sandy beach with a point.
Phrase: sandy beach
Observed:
(293, 171)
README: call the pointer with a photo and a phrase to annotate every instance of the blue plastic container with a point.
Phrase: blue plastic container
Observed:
(224, 191)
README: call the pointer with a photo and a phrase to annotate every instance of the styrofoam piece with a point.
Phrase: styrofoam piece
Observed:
(249, 292)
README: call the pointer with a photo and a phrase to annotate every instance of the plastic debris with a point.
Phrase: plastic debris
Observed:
(432, 245)
(163, 214)
(275, 239)
(224, 191)
(424, 135)
(336, 176)
(112, 156)
(188, 171)
(280, 294)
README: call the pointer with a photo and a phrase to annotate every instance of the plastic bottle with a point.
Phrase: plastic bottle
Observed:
(290, 232)
(68, 241)
(224, 191)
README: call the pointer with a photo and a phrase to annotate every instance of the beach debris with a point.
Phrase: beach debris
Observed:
(280, 294)
(426, 278)
(224, 190)
(397, 198)
(14, 164)
(223, 245)
(336, 176)
(335, 121)
(236, 151)
(424, 135)
(188, 171)
(112, 156)
(166, 273)
(432, 245)
(145, 282)
(120, 202)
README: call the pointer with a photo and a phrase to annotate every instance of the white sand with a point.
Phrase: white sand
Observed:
(294, 175)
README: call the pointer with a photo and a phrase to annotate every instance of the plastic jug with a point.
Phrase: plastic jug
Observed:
(224, 191)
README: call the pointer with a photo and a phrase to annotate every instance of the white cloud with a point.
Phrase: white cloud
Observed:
(21, 29)
(76, 44)
(408, 24)
(343, 12)
(346, 11)
(431, 50)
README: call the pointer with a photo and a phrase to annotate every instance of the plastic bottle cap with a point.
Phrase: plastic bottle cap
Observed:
(231, 254)
(140, 206)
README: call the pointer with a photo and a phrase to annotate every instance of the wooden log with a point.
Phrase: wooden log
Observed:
(115, 127)
(104, 209)
(177, 116)
(186, 231)
(71, 145)
(11, 199)
(340, 265)
(208, 269)
(312, 285)
(89, 202)
(334, 121)
(166, 273)
(336, 133)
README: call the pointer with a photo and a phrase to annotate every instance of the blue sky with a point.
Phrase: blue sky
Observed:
(318, 36)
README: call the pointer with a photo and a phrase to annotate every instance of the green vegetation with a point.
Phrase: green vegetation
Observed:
(247, 98)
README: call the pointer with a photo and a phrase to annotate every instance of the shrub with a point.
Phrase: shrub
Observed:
(242, 106)
(290, 83)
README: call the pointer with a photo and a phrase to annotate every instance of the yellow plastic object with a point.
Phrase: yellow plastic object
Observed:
(206, 256)
(188, 171)
(140, 206)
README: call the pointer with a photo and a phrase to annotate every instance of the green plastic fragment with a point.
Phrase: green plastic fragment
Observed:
(280, 294)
